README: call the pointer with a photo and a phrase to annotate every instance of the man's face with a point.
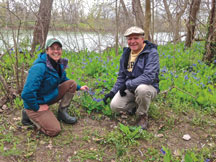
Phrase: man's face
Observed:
(135, 42)
(54, 51)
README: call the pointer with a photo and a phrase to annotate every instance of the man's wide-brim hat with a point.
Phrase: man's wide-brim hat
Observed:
(134, 30)
(51, 41)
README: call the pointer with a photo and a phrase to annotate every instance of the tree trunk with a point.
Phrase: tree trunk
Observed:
(175, 22)
(117, 24)
(191, 24)
(128, 20)
(210, 46)
(42, 24)
(147, 20)
(138, 12)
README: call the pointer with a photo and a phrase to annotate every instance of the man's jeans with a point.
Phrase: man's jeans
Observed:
(141, 99)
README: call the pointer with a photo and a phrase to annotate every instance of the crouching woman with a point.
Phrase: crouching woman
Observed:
(46, 84)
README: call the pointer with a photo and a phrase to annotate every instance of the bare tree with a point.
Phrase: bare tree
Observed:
(175, 21)
(210, 46)
(117, 24)
(128, 19)
(42, 24)
(191, 24)
(138, 12)
(147, 20)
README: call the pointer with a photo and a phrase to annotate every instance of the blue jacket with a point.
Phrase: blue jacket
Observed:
(145, 71)
(41, 86)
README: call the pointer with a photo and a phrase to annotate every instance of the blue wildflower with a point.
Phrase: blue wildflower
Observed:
(104, 81)
(186, 77)
(96, 83)
(194, 73)
(203, 85)
(91, 93)
(194, 65)
(214, 62)
(162, 151)
(164, 69)
(176, 76)
(99, 79)
(97, 100)
(209, 89)
(207, 160)
(199, 61)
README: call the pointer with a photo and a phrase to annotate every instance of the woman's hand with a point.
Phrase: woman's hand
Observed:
(44, 107)
(84, 88)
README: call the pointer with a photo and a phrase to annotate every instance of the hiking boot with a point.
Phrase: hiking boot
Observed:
(25, 119)
(142, 121)
(65, 117)
(132, 111)
(63, 107)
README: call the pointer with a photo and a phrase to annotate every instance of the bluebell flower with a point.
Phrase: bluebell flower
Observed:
(117, 67)
(91, 93)
(104, 81)
(72, 73)
(83, 67)
(164, 69)
(194, 73)
(194, 65)
(99, 79)
(203, 85)
(97, 100)
(207, 160)
(96, 83)
(176, 76)
(162, 151)
(186, 77)
(199, 61)
(214, 62)
(171, 73)
(209, 89)
(185, 71)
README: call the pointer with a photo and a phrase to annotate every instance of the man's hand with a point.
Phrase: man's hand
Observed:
(122, 90)
(109, 95)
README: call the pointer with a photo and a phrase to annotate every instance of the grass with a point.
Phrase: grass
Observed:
(186, 105)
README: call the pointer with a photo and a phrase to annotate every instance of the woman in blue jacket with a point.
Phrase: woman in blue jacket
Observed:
(46, 84)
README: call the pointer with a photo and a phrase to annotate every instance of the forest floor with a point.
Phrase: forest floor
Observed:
(96, 137)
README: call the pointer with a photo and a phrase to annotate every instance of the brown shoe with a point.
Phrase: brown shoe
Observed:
(142, 121)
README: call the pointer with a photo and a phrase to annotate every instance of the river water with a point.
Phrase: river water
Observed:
(91, 41)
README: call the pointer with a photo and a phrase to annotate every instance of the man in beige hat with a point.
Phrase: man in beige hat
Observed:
(137, 83)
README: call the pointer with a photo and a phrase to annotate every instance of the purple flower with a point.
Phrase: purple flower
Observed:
(194, 65)
(214, 61)
(99, 79)
(186, 77)
(162, 151)
(104, 81)
(97, 99)
(209, 89)
(207, 160)
(96, 83)
(72, 73)
(91, 93)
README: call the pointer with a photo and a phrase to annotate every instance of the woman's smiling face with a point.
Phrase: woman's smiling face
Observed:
(54, 51)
